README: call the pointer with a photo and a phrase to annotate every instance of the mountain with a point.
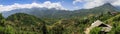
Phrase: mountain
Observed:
(39, 12)
(97, 10)
(25, 21)
(21, 23)
(53, 13)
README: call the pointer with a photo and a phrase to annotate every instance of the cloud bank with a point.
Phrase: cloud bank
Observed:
(46, 4)
(95, 3)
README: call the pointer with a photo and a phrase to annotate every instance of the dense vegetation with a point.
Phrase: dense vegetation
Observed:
(60, 22)
(21, 23)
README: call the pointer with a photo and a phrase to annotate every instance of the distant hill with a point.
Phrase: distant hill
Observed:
(97, 10)
(53, 13)
(21, 23)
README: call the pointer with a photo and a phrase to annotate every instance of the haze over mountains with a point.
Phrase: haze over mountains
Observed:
(55, 13)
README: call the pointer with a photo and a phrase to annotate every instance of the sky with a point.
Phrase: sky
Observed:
(7, 5)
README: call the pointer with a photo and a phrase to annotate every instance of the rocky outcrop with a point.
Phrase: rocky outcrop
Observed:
(98, 23)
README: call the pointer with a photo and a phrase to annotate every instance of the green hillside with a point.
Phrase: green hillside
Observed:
(58, 14)
(60, 21)
(21, 23)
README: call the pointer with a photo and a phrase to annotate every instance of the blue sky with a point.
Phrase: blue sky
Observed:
(67, 4)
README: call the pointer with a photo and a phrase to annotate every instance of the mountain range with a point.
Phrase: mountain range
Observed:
(53, 13)
(38, 20)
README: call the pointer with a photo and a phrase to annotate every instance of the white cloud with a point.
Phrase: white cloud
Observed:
(46, 4)
(116, 3)
(95, 3)
(77, 1)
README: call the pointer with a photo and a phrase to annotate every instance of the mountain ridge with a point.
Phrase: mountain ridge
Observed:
(52, 13)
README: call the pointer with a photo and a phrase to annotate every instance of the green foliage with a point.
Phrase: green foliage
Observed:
(95, 30)
(21, 23)
(9, 30)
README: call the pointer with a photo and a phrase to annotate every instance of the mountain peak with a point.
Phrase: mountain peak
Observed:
(107, 5)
